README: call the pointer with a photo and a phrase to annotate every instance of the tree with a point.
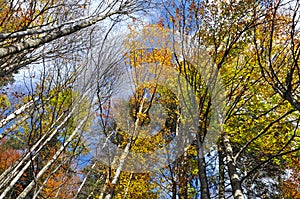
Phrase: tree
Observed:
(45, 145)
(260, 128)
(50, 21)
(226, 33)
(203, 103)
(55, 115)
(8, 155)
(290, 185)
(278, 51)
(53, 130)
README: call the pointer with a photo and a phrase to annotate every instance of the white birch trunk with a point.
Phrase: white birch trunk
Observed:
(13, 171)
(232, 171)
(50, 162)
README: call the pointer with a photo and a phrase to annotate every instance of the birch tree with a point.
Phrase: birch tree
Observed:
(50, 21)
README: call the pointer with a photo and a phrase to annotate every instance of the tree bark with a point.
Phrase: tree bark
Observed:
(13, 173)
(183, 183)
(50, 162)
(221, 172)
(33, 38)
(202, 172)
(124, 156)
(15, 114)
(231, 164)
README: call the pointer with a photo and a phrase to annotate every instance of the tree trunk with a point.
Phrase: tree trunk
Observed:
(13, 173)
(12, 170)
(202, 172)
(231, 164)
(71, 27)
(221, 172)
(15, 114)
(84, 180)
(124, 155)
(50, 162)
(183, 186)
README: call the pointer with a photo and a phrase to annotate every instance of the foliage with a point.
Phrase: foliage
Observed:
(223, 75)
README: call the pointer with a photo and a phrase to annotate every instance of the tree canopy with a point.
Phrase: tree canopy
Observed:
(149, 99)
